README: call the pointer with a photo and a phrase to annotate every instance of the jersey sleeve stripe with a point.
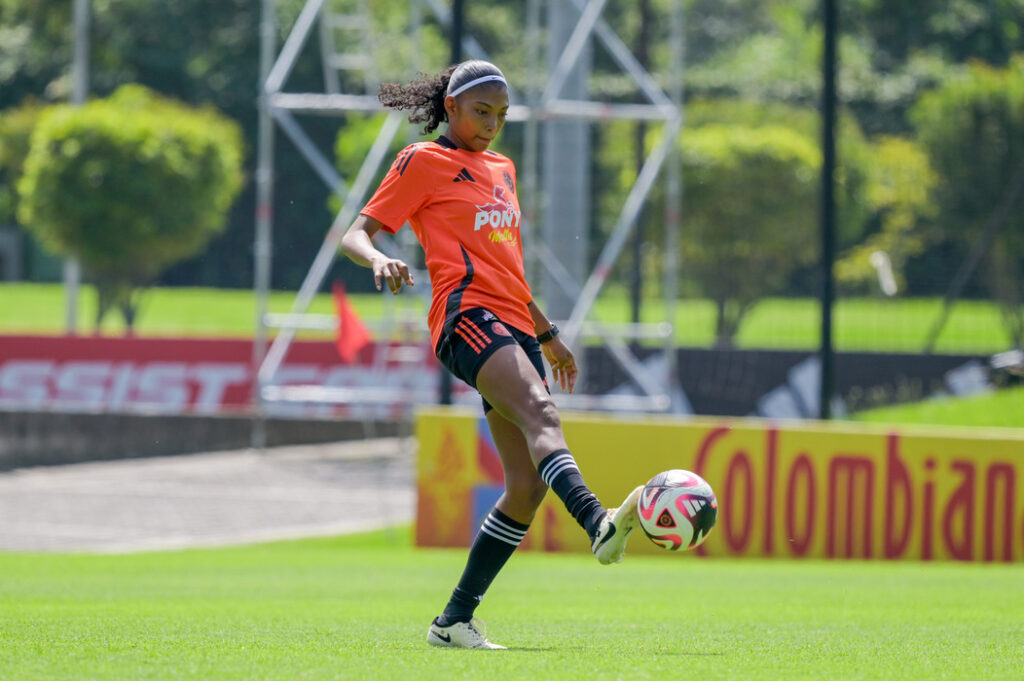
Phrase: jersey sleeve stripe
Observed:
(405, 163)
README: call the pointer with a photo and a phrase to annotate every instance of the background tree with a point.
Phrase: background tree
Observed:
(762, 53)
(884, 188)
(16, 126)
(129, 185)
(898, 195)
(35, 50)
(749, 218)
(203, 53)
(959, 31)
(973, 130)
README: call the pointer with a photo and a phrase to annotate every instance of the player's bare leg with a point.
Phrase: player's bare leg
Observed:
(524, 488)
(512, 385)
(502, 530)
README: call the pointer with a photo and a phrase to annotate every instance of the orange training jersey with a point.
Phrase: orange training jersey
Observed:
(464, 210)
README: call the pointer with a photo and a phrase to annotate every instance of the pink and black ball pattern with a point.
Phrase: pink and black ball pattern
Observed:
(677, 509)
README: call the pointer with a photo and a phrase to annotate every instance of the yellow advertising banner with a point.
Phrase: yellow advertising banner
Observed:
(785, 489)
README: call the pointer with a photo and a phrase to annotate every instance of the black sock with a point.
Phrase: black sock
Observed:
(560, 472)
(498, 537)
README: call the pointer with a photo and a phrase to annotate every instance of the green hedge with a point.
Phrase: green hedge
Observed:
(129, 185)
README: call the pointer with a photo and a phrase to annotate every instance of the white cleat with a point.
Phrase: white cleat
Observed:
(610, 542)
(460, 635)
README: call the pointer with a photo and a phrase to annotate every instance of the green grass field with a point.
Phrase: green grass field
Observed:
(999, 409)
(358, 608)
(861, 324)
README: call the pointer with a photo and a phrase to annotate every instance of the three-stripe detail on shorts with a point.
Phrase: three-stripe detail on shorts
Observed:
(472, 334)
(499, 529)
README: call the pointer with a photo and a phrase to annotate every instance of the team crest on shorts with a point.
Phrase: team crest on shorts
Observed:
(499, 328)
(487, 316)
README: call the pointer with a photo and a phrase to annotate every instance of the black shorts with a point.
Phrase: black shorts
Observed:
(471, 337)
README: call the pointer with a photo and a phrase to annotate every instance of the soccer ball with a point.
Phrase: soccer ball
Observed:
(677, 509)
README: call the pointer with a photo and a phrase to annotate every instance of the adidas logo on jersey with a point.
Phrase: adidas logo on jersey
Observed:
(464, 176)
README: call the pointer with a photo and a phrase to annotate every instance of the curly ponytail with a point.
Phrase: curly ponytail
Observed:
(425, 96)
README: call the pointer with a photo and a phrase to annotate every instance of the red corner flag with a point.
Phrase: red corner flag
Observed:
(352, 335)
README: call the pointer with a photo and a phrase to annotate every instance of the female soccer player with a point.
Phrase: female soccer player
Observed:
(460, 199)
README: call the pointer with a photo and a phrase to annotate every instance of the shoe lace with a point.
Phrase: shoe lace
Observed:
(478, 627)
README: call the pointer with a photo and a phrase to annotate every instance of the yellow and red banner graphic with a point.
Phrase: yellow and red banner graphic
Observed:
(785, 490)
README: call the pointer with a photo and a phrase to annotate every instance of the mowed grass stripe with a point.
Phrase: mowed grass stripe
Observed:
(358, 608)
(861, 324)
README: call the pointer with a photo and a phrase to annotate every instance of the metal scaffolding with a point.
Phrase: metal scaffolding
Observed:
(541, 101)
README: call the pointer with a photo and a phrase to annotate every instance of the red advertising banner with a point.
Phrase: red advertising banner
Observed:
(188, 375)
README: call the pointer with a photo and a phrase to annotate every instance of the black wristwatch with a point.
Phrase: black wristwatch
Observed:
(547, 335)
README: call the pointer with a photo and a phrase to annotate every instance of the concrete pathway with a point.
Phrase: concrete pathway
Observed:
(208, 499)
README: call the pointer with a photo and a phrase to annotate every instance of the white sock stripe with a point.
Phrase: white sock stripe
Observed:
(494, 534)
(558, 458)
(498, 516)
(556, 466)
(557, 469)
(511, 531)
(506, 525)
(498, 526)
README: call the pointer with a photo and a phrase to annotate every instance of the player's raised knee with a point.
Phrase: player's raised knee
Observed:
(545, 411)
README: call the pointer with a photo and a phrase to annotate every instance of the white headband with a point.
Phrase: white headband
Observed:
(473, 83)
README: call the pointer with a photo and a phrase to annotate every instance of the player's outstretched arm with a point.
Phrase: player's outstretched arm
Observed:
(357, 244)
(558, 354)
